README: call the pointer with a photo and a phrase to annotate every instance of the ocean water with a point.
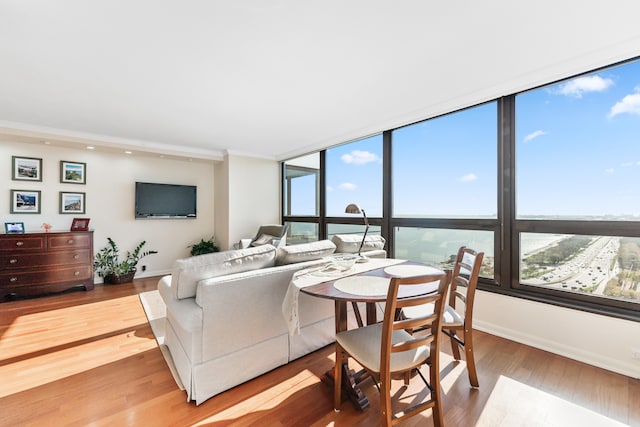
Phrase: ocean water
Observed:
(432, 245)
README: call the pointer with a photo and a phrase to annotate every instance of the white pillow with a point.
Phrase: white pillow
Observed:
(350, 243)
(263, 240)
(304, 252)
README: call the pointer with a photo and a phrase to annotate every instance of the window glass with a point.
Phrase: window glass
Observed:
(604, 266)
(333, 229)
(302, 232)
(577, 150)
(439, 246)
(446, 167)
(301, 180)
(354, 175)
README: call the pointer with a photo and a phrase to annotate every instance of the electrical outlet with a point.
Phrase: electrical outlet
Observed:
(144, 268)
(635, 353)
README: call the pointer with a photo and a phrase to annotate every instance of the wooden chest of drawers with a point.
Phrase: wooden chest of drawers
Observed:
(35, 263)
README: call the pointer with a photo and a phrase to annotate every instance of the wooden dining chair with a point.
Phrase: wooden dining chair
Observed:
(457, 322)
(389, 350)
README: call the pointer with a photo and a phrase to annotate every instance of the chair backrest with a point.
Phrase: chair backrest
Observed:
(431, 322)
(278, 231)
(465, 276)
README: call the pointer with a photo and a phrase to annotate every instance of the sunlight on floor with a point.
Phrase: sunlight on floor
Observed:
(537, 407)
(23, 339)
(254, 406)
(41, 356)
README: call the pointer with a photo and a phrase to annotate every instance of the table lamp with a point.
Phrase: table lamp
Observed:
(352, 208)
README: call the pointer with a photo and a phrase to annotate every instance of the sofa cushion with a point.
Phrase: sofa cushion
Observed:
(350, 243)
(188, 272)
(304, 252)
(263, 240)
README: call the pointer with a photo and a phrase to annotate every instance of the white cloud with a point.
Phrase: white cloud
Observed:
(577, 87)
(609, 171)
(627, 164)
(629, 104)
(468, 177)
(358, 157)
(329, 188)
(534, 135)
(349, 186)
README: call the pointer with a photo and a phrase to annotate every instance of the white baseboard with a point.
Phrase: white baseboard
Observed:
(604, 362)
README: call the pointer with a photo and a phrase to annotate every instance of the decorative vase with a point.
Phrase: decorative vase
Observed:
(115, 279)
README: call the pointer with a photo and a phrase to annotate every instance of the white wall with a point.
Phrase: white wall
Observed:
(254, 195)
(601, 341)
(110, 191)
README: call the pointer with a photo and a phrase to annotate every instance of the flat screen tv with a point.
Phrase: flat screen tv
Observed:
(165, 200)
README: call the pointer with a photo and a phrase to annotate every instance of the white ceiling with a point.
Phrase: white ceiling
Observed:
(280, 78)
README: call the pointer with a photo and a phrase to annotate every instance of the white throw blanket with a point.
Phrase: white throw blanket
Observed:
(315, 275)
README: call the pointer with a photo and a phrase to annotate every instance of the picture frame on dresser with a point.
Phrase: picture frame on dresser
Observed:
(73, 172)
(80, 224)
(26, 168)
(14, 227)
(72, 202)
(25, 201)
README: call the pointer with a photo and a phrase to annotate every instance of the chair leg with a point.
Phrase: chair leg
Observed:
(470, 359)
(385, 401)
(436, 396)
(454, 344)
(337, 379)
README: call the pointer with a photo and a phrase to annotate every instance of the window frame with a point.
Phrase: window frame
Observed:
(506, 227)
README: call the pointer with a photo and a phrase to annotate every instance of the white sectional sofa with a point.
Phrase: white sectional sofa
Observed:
(224, 312)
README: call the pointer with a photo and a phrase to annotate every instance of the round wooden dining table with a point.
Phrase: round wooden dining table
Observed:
(332, 289)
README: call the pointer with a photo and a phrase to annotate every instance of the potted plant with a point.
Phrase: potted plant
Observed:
(108, 265)
(204, 247)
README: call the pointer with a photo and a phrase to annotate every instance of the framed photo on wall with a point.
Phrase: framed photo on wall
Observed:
(80, 224)
(14, 227)
(26, 169)
(72, 203)
(73, 172)
(25, 201)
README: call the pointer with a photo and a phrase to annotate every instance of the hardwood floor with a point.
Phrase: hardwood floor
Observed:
(90, 358)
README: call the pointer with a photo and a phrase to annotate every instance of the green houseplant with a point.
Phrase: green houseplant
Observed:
(204, 247)
(108, 265)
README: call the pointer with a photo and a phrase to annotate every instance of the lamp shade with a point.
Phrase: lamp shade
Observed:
(352, 208)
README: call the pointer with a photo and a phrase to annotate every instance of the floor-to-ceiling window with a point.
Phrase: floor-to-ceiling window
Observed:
(301, 197)
(546, 182)
(354, 176)
(577, 186)
(444, 187)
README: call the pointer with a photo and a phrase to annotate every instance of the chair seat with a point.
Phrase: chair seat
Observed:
(450, 318)
(364, 345)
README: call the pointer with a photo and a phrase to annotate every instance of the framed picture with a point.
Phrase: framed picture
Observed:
(80, 224)
(25, 201)
(14, 227)
(71, 203)
(26, 169)
(73, 172)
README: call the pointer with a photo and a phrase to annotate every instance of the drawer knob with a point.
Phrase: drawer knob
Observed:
(76, 273)
(76, 256)
(13, 261)
(13, 279)
(19, 243)
(70, 241)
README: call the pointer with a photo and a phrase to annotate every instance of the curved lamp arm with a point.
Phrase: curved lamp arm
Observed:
(352, 208)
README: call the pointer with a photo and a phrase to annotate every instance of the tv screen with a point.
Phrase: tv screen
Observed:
(165, 200)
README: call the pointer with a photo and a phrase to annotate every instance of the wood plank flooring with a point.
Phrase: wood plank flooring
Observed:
(90, 359)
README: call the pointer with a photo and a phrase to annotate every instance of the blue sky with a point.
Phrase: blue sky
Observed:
(577, 153)
(578, 146)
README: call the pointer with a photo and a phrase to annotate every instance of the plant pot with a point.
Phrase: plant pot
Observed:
(115, 279)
